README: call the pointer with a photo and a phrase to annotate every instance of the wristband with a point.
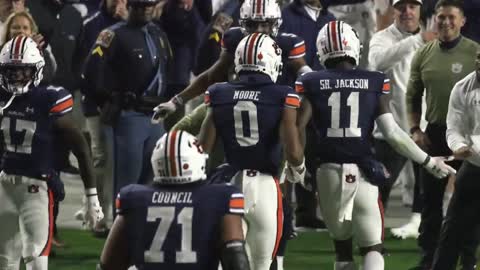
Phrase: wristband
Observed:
(177, 100)
(90, 192)
(425, 162)
(415, 128)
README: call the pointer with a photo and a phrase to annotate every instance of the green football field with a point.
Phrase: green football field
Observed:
(309, 251)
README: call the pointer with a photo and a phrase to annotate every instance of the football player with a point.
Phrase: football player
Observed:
(255, 16)
(343, 103)
(252, 116)
(30, 117)
(180, 221)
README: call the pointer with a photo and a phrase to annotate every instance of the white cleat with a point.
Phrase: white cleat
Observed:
(409, 230)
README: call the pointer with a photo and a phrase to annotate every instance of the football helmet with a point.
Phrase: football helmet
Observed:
(178, 159)
(21, 65)
(253, 12)
(338, 39)
(259, 53)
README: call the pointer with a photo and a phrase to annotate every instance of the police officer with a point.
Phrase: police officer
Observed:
(127, 71)
(110, 12)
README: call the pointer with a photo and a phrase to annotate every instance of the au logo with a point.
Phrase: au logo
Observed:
(350, 178)
(457, 68)
(33, 189)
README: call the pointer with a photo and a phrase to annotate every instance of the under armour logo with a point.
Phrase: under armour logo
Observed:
(350, 178)
(29, 110)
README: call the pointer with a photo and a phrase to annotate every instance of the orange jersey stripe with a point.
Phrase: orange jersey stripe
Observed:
(62, 106)
(117, 204)
(48, 246)
(299, 88)
(291, 101)
(237, 203)
(297, 51)
(386, 87)
(279, 219)
(206, 99)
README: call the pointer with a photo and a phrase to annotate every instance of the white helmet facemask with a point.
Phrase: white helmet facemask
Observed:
(254, 12)
(21, 66)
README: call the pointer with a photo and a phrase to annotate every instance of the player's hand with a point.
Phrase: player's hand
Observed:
(165, 109)
(94, 213)
(295, 174)
(438, 168)
(421, 139)
(463, 153)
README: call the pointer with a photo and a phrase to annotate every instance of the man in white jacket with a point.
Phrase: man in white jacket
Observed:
(391, 51)
(463, 138)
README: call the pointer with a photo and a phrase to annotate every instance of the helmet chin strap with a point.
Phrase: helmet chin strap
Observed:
(9, 102)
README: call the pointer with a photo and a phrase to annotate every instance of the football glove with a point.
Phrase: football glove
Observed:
(295, 174)
(94, 213)
(164, 109)
(374, 171)
(437, 167)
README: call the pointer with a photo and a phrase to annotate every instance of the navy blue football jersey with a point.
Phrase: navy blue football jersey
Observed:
(247, 117)
(344, 108)
(27, 130)
(177, 227)
(292, 47)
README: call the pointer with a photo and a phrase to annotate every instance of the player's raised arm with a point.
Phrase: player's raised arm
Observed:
(404, 145)
(216, 73)
(208, 132)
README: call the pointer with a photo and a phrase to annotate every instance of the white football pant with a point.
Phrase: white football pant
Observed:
(26, 215)
(263, 220)
(350, 205)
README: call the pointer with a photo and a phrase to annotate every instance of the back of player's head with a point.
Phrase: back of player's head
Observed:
(338, 41)
(21, 65)
(178, 159)
(258, 52)
(255, 13)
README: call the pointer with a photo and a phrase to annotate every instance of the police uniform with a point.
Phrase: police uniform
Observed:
(247, 117)
(292, 46)
(128, 71)
(27, 164)
(344, 108)
(178, 226)
(99, 134)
